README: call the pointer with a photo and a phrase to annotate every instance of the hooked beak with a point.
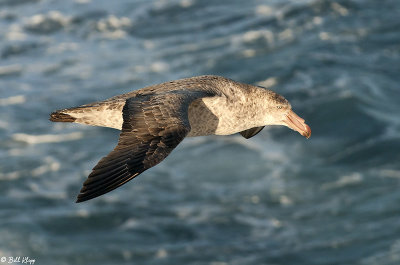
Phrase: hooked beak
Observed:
(296, 123)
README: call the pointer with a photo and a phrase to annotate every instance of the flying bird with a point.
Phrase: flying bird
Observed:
(155, 119)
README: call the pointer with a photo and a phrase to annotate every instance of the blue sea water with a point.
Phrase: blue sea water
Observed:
(276, 198)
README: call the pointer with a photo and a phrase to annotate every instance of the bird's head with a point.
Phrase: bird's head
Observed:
(279, 112)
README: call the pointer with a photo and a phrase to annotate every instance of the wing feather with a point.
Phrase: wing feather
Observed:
(153, 125)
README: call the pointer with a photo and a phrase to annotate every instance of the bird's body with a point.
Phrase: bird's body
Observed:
(155, 119)
(225, 114)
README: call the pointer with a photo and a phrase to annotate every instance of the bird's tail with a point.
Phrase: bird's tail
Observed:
(94, 114)
(59, 116)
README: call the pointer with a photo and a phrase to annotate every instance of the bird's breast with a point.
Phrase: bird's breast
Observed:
(217, 116)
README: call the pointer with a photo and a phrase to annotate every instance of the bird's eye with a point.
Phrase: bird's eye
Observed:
(279, 107)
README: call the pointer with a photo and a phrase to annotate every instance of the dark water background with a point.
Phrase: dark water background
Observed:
(274, 199)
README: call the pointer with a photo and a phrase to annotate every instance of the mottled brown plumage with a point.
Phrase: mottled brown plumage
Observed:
(155, 119)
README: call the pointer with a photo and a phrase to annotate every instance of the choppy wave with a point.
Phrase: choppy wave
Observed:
(47, 138)
(12, 100)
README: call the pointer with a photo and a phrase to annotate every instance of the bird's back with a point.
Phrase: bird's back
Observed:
(108, 113)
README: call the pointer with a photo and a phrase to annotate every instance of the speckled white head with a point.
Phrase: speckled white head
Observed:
(278, 111)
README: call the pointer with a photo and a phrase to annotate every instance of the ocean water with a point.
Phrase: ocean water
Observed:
(277, 198)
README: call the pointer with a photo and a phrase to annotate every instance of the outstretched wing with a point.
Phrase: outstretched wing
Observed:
(153, 126)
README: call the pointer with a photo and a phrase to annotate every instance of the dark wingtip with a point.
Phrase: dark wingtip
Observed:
(79, 199)
(61, 117)
(82, 197)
